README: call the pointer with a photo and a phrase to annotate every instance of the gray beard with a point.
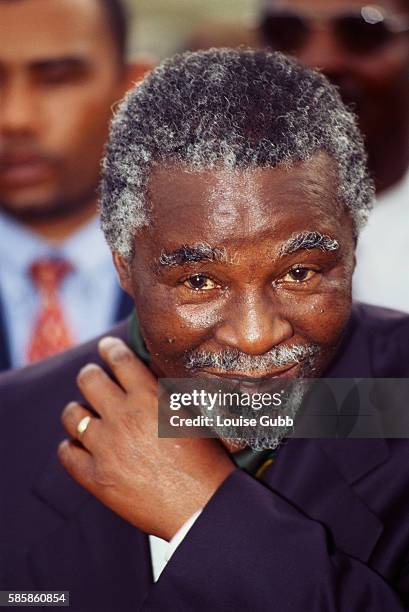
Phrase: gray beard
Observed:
(258, 437)
(232, 360)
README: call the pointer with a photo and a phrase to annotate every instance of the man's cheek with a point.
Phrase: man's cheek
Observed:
(173, 329)
(332, 324)
(198, 319)
(322, 320)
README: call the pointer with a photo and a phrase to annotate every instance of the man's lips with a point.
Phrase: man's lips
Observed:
(252, 378)
(21, 170)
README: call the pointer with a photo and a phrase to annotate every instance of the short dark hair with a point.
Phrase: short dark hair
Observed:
(117, 17)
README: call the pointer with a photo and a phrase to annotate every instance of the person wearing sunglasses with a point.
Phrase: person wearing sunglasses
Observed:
(364, 50)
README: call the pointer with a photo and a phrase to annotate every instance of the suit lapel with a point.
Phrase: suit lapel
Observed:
(5, 359)
(124, 307)
(353, 358)
(317, 477)
(88, 549)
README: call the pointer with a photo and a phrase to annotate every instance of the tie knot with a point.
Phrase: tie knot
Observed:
(47, 274)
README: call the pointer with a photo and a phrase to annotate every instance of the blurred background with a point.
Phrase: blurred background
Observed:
(161, 27)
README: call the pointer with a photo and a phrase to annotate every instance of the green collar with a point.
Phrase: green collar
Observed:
(136, 341)
(253, 462)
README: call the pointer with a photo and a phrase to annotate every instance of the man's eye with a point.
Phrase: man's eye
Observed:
(298, 275)
(60, 74)
(200, 282)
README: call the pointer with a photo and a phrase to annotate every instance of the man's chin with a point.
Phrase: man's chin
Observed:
(256, 443)
(33, 209)
(259, 427)
(45, 203)
(257, 438)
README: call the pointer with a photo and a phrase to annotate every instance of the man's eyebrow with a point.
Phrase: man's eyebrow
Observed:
(307, 241)
(65, 62)
(191, 254)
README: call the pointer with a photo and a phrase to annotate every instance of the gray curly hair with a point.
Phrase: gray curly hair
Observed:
(235, 109)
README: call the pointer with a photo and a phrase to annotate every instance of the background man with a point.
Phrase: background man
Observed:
(234, 187)
(364, 49)
(62, 67)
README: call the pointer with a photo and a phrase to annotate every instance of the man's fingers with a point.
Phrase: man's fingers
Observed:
(99, 390)
(75, 415)
(130, 372)
(78, 463)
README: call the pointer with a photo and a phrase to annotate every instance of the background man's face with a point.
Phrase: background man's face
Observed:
(375, 82)
(59, 76)
(248, 295)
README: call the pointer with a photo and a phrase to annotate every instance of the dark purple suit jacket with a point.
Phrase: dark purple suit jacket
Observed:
(326, 530)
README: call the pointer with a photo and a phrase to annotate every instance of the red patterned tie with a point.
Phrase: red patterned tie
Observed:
(50, 333)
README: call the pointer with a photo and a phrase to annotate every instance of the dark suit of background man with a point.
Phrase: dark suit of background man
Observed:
(234, 187)
(62, 67)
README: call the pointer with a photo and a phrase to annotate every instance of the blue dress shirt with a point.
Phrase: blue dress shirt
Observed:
(89, 294)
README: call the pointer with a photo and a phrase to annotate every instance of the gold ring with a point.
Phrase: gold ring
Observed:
(82, 425)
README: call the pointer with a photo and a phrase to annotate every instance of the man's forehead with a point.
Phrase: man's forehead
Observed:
(174, 186)
(40, 29)
(236, 206)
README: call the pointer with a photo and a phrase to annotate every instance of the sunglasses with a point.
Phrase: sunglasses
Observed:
(359, 32)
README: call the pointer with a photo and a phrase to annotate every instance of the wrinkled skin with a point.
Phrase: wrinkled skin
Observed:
(250, 302)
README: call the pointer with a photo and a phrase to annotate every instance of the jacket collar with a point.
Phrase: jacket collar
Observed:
(55, 487)
(318, 477)
(102, 558)
(353, 358)
(5, 358)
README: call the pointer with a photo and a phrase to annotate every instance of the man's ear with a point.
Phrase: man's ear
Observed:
(136, 70)
(124, 272)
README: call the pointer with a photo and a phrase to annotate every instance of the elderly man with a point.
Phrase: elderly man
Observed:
(234, 188)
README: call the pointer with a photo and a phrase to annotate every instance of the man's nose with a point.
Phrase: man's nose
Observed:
(323, 51)
(253, 325)
(18, 115)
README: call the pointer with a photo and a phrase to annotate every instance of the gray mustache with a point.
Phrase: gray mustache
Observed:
(233, 359)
